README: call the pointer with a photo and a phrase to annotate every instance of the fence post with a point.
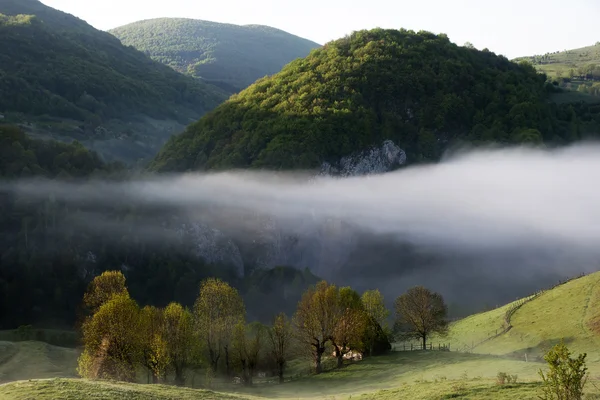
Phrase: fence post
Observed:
(403, 346)
(430, 346)
(411, 347)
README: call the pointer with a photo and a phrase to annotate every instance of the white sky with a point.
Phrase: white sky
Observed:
(510, 27)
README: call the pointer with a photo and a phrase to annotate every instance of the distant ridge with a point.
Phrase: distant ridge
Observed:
(230, 56)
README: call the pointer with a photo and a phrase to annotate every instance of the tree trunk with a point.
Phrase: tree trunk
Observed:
(319, 350)
(154, 378)
(280, 373)
(227, 368)
(179, 377)
(339, 356)
(424, 342)
(214, 360)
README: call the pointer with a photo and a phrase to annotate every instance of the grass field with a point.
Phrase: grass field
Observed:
(34, 360)
(417, 374)
(565, 60)
(570, 312)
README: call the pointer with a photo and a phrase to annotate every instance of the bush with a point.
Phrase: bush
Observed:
(501, 378)
(566, 377)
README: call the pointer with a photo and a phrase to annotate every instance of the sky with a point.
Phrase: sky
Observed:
(510, 27)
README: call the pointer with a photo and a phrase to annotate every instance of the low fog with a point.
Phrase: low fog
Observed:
(494, 222)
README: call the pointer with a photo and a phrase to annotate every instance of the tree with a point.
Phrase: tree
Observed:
(377, 314)
(155, 356)
(112, 340)
(422, 312)
(179, 332)
(280, 339)
(218, 309)
(350, 323)
(566, 377)
(102, 288)
(314, 320)
(248, 342)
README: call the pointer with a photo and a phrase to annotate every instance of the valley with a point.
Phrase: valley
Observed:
(198, 209)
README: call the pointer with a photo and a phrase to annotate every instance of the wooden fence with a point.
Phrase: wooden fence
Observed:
(415, 346)
(501, 330)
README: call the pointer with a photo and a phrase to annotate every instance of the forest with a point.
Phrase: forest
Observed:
(417, 89)
(226, 55)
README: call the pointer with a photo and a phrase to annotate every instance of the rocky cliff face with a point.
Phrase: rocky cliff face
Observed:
(376, 160)
(322, 246)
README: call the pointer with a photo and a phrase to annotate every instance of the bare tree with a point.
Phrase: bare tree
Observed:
(280, 337)
(422, 312)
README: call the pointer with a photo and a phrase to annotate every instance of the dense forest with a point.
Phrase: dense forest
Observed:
(417, 89)
(56, 68)
(229, 56)
(48, 256)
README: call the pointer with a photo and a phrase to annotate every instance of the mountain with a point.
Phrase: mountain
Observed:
(230, 56)
(62, 78)
(577, 70)
(418, 90)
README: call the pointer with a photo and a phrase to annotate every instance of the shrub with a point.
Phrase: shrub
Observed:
(501, 378)
(566, 377)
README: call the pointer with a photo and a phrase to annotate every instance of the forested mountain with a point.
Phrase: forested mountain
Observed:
(230, 56)
(72, 81)
(417, 89)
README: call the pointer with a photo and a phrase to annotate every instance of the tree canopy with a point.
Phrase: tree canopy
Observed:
(230, 56)
(417, 89)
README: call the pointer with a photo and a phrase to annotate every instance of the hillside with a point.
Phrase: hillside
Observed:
(62, 78)
(228, 55)
(416, 375)
(570, 312)
(575, 70)
(417, 89)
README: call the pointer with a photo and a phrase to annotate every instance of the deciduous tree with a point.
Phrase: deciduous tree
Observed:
(422, 312)
(102, 288)
(377, 314)
(112, 340)
(247, 346)
(316, 319)
(280, 337)
(350, 323)
(181, 345)
(155, 356)
(218, 309)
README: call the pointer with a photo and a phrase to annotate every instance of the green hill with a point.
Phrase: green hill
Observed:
(400, 375)
(577, 70)
(570, 312)
(73, 81)
(560, 63)
(417, 89)
(230, 56)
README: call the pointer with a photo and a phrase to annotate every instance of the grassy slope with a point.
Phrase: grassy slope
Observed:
(565, 312)
(421, 375)
(35, 360)
(563, 61)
